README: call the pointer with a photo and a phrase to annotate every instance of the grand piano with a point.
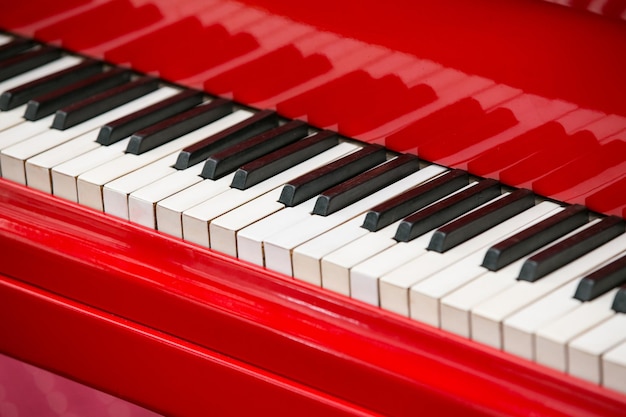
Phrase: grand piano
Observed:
(519, 94)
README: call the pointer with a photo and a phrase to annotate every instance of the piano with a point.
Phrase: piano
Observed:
(516, 108)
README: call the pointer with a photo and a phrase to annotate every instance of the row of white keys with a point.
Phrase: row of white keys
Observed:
(13, 158)
(483, 285)
(211, 222)
(426, 295)
(488, 316)
(15, 116)
(395, 286)
(279, 246)
(115, 194)
(90, 183)
(307, 258)
(38, 168)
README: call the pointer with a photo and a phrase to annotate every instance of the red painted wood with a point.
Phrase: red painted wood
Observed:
(328, 343)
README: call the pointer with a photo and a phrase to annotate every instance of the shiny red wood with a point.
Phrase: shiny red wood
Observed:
(126, 309)
(371, 70)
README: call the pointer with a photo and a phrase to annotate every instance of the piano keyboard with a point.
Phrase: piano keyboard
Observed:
(533, 277)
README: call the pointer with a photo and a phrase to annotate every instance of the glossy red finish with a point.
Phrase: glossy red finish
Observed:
(379, 72)
(138, 291)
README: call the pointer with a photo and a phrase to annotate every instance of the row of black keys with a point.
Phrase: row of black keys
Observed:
(259, 148)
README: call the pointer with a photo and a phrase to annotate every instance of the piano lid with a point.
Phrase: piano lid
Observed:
(527, 92)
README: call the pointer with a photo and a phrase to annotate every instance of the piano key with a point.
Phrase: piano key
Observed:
(278, 247)
(307, 257)
(614, 368)
(312, 183)
(228, 160)
(257, 171)
(259, 201)
(196, 220)
(415, 199)
(26, 61)
(178, 125)
(76, 113)
(346, 193)
(14, 97)
(518, 330)
(552, 338)
(91, 182)
(488, 315)
(395, 286)
(38, 168)
(15, 157)
(426, 295)
(256, 124)
(478, 221)
(65, 175)
(558, 255)
(507, 251)
(47, 104)
(601, 281)
(585, 351)
(115, 194)
(619, 303)
(14, 46)
(126, 126)
(141, 203)
(138, 204)
(447, 209)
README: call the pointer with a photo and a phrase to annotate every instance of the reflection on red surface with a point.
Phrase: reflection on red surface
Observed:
(465, 84)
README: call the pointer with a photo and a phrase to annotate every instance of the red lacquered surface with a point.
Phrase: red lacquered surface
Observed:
(218, 306)
(381, 72)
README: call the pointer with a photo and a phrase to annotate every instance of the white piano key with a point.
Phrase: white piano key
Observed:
(307, 257)
(518, 330)
(38, 168)
(139, 206)
(65, 175)
(12, 118)
(236, 209)
(23, 131)
(278, 247)
(487, 316)
(250, 240)
(552, 338)
(585, 352)
(14, 157)
(425, 296)
(614, 368)
(115, 194)
(91, 182)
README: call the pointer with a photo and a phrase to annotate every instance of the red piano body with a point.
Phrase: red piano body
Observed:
(185, 331)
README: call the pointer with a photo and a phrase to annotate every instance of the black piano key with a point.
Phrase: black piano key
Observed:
(554, 257)
(254, 125)
(27, 61)
(534, 237)
(619, 302)
(445, 210)
(17, 96)
(602, 280)
(47, 104)
(278, 161)
(414, 199)
(478, 221)
(100, 103)
(228, 160)
(362, 185)
(125, 126)
(178, 125)
(14, 47)
(312, 183)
